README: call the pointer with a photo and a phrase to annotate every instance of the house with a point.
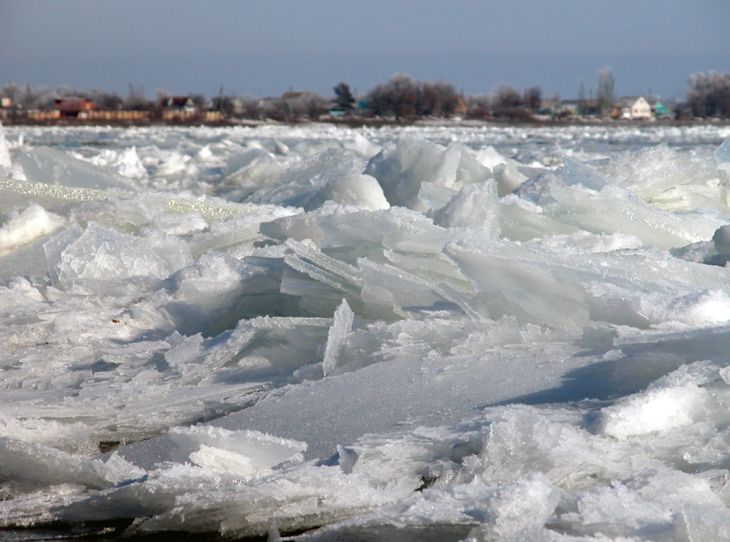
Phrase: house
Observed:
(569, 107)
(178, 108)
(636, 108)
(660, 110)
(75, 107)
(180, 103)
(580, 107)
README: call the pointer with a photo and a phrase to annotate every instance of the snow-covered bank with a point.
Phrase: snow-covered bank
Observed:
(492, 334)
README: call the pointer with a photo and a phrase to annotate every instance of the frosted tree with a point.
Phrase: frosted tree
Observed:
(605, 88)
(709, 94)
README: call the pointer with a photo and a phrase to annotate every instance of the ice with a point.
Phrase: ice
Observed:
(722, 156)
(332, 173)
(530, 290)
(520, 511)
(126, 163)
(35, 463)
(316, 332)
(52, 166)
(401, 168)
(249, 171)
(574, 172)
(245, 454)
(357, 189)
(341, 328)
(613, 210)
(5, 163)
(474, 207)
(508, 178)
(491, 157)
(25, 226)
(107, 262)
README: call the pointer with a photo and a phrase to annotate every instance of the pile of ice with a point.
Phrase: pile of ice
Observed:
(366, 333)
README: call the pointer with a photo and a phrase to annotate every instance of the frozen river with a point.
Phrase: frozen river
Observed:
(446, 333)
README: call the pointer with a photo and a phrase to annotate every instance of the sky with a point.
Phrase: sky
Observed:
(265, 47)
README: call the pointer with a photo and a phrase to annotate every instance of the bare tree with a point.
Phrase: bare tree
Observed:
(398, 97)
(38, 98)
(137, 100)
(306, 104)
(11, 90)
(532, 98)
(106, 100)
(224, 104)
(250, 108)
(438, 99)
(605, 88)
(709, 94)
(507, 102)
(478, 107)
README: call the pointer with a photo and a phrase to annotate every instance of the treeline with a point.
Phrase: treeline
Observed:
(400, 98)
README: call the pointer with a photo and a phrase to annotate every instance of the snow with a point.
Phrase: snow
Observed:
(24, 226)
(472, 333)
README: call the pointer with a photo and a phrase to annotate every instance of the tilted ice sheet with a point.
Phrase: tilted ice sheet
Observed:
(463, 332)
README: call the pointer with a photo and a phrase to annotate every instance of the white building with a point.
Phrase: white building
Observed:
(639, 109)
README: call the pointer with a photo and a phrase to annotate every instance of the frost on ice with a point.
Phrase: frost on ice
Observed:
(463, 332)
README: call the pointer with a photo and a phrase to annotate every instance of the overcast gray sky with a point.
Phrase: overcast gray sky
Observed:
(264, 47)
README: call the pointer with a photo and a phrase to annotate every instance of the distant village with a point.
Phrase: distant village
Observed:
(399, 100)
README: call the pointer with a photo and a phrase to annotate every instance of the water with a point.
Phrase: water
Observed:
(446, 332)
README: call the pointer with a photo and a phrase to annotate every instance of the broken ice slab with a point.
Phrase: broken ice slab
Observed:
(474, 207)
(341, 328)
(521, 220)
(5, 163)
(246, 454)
(37, 463)
(434, 196)
(722, 156)
(25, 226)
(614, 209)
(267, 351)
(51, 166)
(650, 172)
(111, 263)
(508, 177)
(247, 171)
(574, 172)
(625, 287)
(403, 166)
(330, 271)
(382, 397)
(388, 288)
(356, 189)
(352, 234)
(531, 291)
(301, 186)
